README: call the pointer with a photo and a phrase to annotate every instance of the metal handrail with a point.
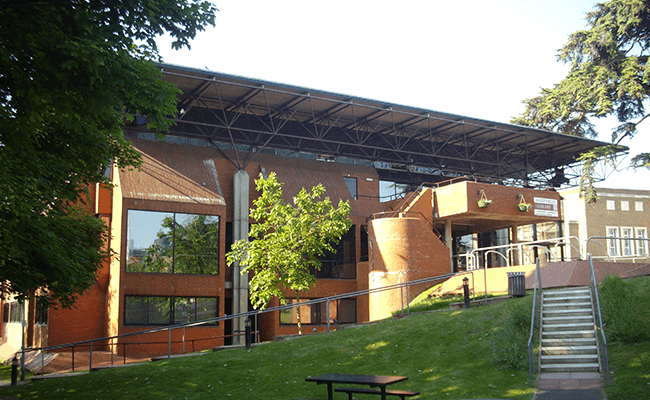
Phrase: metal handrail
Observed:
(592, 239)
(241, 315)
(594, 288)
(566, 240)
(531, 352)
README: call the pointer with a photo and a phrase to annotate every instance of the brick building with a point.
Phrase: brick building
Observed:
(619, 213)
(200, 180)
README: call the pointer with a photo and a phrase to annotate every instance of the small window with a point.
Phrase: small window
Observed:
(638, 206)
(628, 248)
(625, 205)
(611, 205)
(363, 244)
(5, 313)
(352, 186)
(15, 312)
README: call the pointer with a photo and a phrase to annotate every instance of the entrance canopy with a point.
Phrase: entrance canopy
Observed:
(405, 144)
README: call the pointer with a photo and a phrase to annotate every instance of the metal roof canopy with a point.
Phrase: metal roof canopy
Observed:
(255, 115)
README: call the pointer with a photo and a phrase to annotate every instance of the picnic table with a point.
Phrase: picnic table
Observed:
(378, 381)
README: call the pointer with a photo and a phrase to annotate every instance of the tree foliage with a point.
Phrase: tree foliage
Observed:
(72, 72)
(288, 240)
(609, 76)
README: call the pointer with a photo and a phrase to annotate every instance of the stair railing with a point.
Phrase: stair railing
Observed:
(599, 317)
(534, 321)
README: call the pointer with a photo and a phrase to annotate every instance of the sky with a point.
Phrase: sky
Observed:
(472, 58)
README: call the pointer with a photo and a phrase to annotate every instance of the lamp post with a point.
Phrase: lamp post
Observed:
(247, 332)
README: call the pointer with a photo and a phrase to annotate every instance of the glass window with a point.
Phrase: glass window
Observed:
(627, 244)
(15, 312)
(638, 206)
(352, 186)
(612, 244)
(389, 190)
(342, 263)
(363, 245)
(172, 243)
(156, 310)
(641, 245)
(343, 311)
(41, 312)
(611, 205)
(5, 312)
(625, 205)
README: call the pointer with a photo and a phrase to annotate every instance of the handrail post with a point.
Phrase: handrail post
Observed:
(328, 314)
(90, 357)
(183, 340)
(408, 300)
(169, 343)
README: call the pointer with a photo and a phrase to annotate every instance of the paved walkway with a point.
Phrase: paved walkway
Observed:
(569, 386)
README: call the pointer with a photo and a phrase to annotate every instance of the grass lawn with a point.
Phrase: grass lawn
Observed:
(445, 354)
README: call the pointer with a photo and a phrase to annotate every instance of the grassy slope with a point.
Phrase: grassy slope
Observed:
(630, 363)
(445, 354)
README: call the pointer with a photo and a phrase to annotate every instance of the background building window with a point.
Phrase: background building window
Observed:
(5, 312)
(41, 312)
(611, 205)
(15, 311)
(638, 206)
(612, 244)
(159, 310)
(389, 190)
(352, 186)
(343, 311)
(628, 247)
(625, 205)
(641, 245)
(172, 243)
(363, 243)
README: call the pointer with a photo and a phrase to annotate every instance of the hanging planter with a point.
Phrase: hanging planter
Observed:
(523, 206)
(483, 201)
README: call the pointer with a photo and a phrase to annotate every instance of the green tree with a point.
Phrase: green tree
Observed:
(288, 240)
(72, 73)
(609, 76)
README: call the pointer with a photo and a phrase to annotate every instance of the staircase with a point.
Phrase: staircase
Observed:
(569, 342)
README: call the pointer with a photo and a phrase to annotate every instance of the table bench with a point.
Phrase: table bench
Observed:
(402, 394)
(378, 381)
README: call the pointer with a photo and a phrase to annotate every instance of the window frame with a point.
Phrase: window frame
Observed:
(171, 312)
(317, 309)
(627, 247)
(641, 248)
(611, 205)
(613, 244)
(638, 206)
(625, 205)
(175, 255)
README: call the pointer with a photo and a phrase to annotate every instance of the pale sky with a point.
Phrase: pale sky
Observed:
(473, 58)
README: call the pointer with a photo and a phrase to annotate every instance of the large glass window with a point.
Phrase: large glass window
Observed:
(342, 263)
(172, 243)
(158, 310)
(363, 243)
(389, 190)
(352, 186)
(628, 248)
(343, 311)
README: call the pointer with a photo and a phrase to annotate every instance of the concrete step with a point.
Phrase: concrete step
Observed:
(588, 367)
(566, 299)
(568, 334)
(578, 319)
(569, 359)
(557, 342)
(566, 327)
(559, 350)
(566, 306)
(559, 312)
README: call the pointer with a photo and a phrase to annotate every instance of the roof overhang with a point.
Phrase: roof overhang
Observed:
(406, 143)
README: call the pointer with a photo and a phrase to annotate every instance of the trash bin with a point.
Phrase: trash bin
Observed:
(516, 284)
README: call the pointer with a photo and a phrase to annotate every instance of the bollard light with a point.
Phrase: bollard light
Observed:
(14, 371)
(247, 332)
(466, 291)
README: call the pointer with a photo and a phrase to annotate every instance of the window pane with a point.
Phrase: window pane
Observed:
(627, 244)
(135, 310)
(347, 311)
(159, 310)
(196, 244)
(184, 310)
(363, 243)
(352, 186)
(611, 205)
(206, 308)
(612, 244)
(641, 245)
(149, 244)
(5, 313)
(625, 205)
(342, 264)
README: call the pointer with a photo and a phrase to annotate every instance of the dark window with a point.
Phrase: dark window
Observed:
(41, 312)
(363, 243)
(343, 311)
(157, 310)
(172, 243)
(5, 313)
(342, 263)
(15, 312)
(352, 186)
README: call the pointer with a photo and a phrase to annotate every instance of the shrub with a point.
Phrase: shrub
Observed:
(510, 342)
(619, 310)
